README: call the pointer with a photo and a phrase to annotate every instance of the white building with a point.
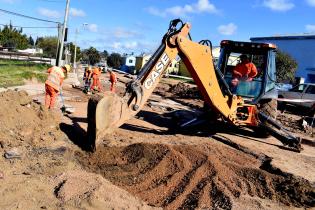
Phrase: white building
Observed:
(129, 60)
(300, 47)
(128, 63)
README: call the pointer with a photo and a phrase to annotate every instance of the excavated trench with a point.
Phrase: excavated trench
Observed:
(190, 176)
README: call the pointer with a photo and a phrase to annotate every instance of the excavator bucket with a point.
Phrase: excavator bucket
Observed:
(104, 114)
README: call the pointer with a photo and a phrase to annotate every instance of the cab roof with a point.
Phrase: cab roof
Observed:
(248, 45)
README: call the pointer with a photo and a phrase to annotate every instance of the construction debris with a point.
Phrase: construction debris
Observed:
(14, 153)
(183, 90)
(296, 124)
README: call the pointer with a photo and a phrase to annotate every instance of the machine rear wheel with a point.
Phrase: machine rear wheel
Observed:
(268, 107)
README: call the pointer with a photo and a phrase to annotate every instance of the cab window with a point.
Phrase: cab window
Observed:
(310, 89)
(248, 89)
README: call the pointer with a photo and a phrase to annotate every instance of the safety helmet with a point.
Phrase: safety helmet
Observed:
(67, 67)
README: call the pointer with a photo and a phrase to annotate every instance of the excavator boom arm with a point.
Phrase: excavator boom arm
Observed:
(109, 112)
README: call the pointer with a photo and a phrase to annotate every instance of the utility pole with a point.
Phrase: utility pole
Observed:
(75, 49)
(75, 45)
(58, 44)
(63, 33)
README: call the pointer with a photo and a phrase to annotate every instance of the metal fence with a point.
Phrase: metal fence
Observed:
(26, 57)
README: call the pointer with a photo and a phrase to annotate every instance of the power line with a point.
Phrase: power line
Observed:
(54, 1)
(29, 26)
(26, 16)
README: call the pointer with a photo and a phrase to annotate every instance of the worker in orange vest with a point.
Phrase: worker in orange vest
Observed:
(112, 79)
(87, 80)
(244, 71)
(96, 86)
(53, 84)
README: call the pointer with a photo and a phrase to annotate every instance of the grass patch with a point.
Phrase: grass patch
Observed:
(14, 73)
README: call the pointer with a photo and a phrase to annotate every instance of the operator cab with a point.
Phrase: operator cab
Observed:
(262, 55)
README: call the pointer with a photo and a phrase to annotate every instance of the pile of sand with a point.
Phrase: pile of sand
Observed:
(43, 173)
(25, 122)
(91, 191)
(197, 176)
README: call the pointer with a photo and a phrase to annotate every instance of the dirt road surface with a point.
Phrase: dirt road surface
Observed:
(144, 164)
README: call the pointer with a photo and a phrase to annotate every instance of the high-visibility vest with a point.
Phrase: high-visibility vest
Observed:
(54, 77)
(112, 77)
(245, 69)
(96, 71)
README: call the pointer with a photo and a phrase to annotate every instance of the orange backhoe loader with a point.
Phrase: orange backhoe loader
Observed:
(249, 105)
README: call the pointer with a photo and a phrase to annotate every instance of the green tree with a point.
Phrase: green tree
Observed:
(104, 54)
(286, 67)
(13, 38)
(71, 46)
(49, 45)
(115, 60)
(92, 56)
(31, 41)
(39, 39)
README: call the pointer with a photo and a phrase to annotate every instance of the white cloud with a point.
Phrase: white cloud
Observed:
(131, 45)
(49, 13)
(123, 33)
(311, 2)
(119, 39)
(92, 27)
(228, 29)
(310, 28)
(116, 45)
(156, 12)
(181, 11)
(125, 46)
(77, 12)
(279, 5)
(205, 6)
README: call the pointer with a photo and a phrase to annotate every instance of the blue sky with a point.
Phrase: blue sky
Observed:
(138, 25)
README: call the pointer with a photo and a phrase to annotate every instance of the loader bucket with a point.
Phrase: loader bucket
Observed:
(104, 114)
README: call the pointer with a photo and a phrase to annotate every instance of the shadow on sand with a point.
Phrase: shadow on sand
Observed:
(76, 133)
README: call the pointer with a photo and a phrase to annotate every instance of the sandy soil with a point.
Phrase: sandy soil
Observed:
(38, 169)
(144, 164)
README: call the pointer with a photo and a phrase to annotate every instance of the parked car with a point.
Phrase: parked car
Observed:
(103, 67)
(84, 65)
(283, 86)
(302, 95)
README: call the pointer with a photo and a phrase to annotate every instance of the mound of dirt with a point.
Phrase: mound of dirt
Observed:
(25, 122)
(91, 191)
(198, 176)
(293, 123)
(183, 90)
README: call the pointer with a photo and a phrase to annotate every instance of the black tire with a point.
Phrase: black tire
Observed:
(311, 113)
(281, 105)
(268, 107)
